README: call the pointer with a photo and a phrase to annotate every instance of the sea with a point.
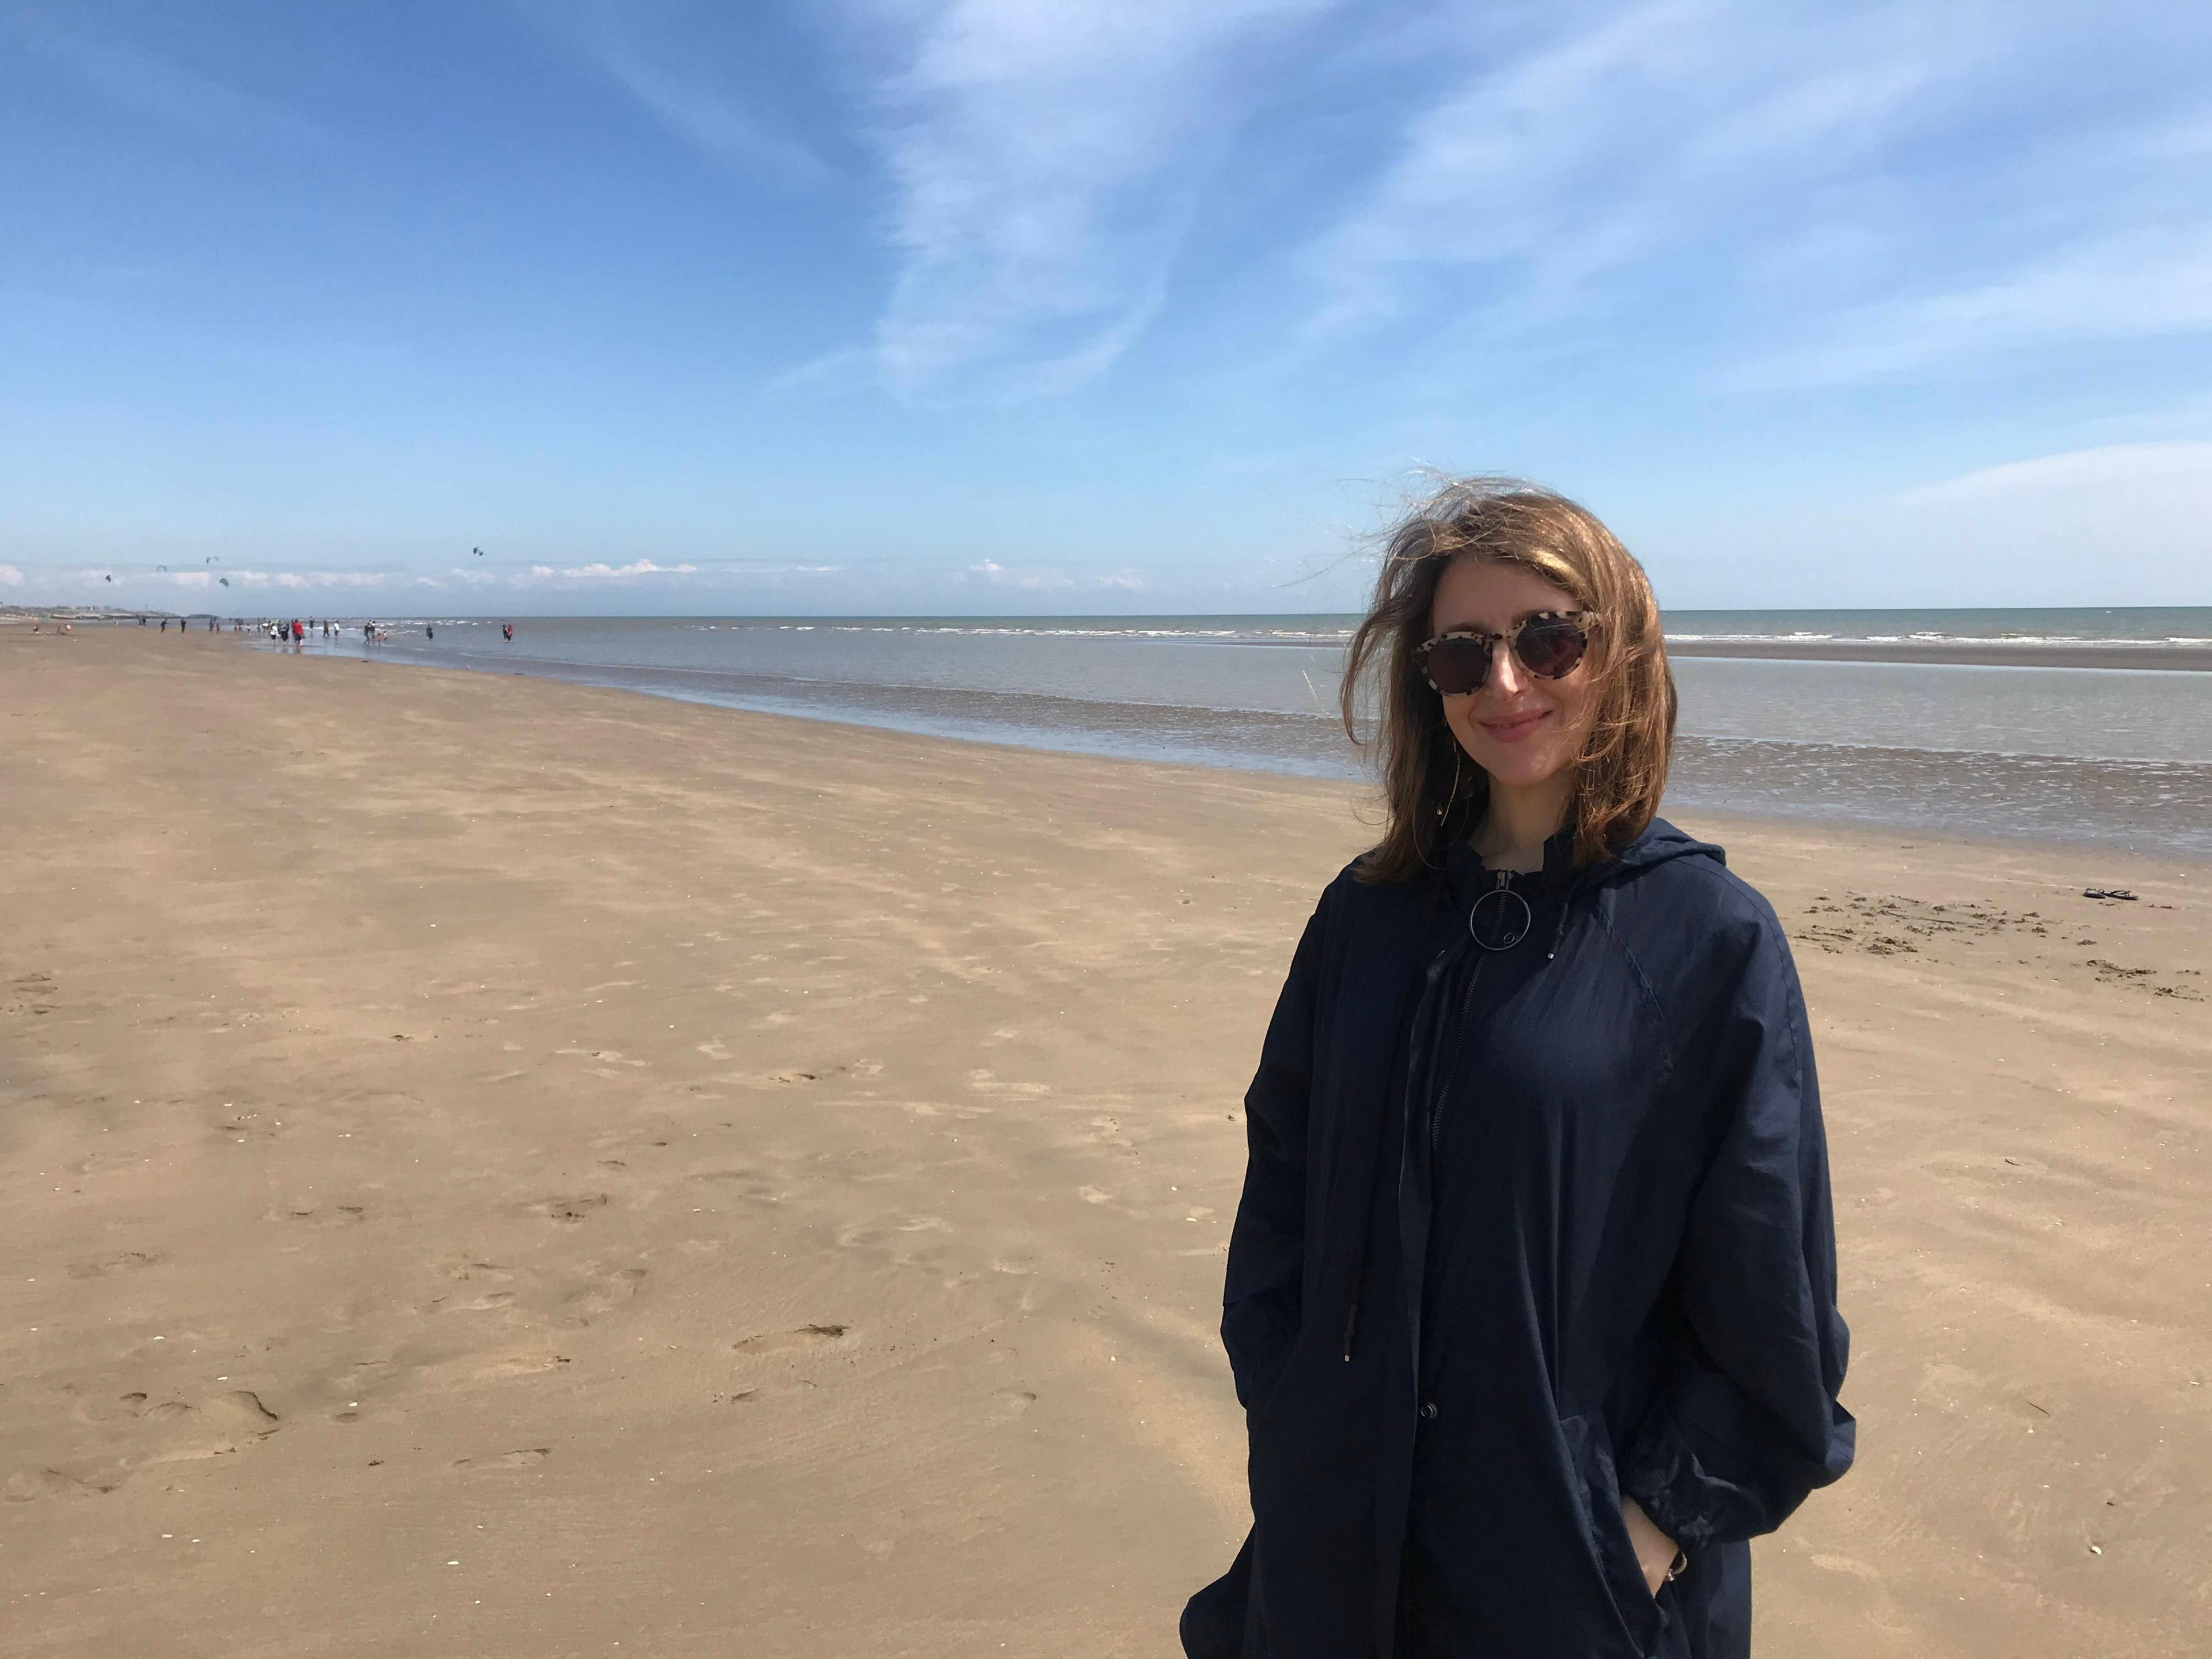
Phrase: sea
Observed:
(2037, 747)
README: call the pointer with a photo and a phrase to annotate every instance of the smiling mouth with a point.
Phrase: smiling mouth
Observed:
(1513, 730)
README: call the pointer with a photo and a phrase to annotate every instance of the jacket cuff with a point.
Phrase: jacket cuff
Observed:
(1661, 1473)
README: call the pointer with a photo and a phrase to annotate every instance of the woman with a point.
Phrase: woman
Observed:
(1531, 1294)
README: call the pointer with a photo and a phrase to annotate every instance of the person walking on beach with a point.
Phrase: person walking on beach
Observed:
(1531, 1294)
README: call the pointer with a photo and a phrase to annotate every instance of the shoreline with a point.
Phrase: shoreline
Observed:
(539, 1144)
(1715, 773)
(1960, 653)
(2146, 656)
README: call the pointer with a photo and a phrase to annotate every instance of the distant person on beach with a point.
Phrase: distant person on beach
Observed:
(429, 632)
(506, 631)
(1531, 1295)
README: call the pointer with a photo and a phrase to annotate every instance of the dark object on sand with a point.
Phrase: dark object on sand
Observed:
(2107, 893)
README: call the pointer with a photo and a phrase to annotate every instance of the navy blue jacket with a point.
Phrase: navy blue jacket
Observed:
(1525, 1228)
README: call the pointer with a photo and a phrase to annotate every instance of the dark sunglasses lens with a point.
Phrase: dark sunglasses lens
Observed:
(1457, 666)
(1549, 647)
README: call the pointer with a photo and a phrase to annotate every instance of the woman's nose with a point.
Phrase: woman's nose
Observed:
(1507, 676)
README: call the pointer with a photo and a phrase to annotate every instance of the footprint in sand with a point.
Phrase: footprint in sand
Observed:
(323, 1215)
(806, 1336)
(602, 1289)
(105, 1408)
(522, 1364)
(29, 1485)
(804, 1074)
(514, 1460)
(96, 1162)
(1007, 1404)
(182, 1431)
(939, 1108)
(570, 1210)
(987, 1082)
(1845, 1564)
(1107, 1131)
(33, 994)
(752, 1185)
(121, 1262)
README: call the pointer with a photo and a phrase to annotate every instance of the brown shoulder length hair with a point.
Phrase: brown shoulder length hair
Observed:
(1430, 791)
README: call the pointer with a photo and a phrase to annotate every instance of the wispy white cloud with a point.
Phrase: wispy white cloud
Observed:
(1797, 195)
(847, 368)
(2119, 523)
(135, 80)
(1588, 140)
(2098, 474)
(2141, 285)
(685, 96)
(1046, 160)
(10, 576)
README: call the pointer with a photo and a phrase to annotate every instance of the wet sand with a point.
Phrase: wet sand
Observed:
(2195, 659)
(507, 1168)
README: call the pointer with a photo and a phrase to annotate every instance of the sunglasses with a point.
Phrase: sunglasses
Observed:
(1548, 645)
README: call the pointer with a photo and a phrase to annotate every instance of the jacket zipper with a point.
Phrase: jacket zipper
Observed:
(1459, 1041)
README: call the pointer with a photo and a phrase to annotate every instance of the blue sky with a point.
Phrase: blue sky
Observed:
(1032, 306)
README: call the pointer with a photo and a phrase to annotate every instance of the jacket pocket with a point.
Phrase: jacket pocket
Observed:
(1589, 1449)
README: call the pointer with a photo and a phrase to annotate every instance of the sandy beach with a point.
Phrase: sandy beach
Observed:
(500, 1167)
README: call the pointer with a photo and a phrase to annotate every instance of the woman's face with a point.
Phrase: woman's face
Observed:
(1519, 729)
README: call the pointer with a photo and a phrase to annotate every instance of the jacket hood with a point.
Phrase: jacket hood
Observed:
(1660, 843)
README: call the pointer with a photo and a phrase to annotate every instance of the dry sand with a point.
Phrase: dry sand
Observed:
(500, 1168)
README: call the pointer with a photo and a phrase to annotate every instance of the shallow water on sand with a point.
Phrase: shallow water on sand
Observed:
(2120, 758)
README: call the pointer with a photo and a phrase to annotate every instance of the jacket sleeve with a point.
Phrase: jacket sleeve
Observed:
(1747, 1422)
(1261, 1309)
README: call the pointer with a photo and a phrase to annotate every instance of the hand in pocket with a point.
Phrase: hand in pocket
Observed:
(1655, 1552)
